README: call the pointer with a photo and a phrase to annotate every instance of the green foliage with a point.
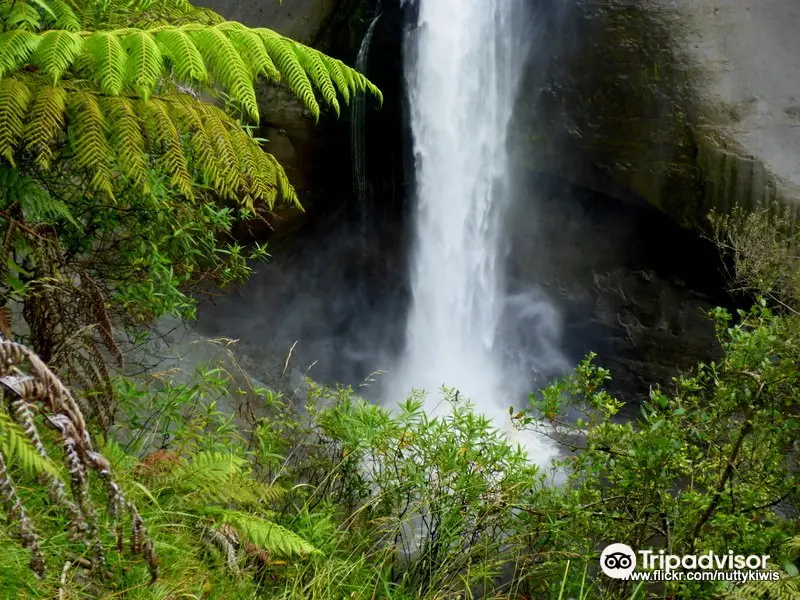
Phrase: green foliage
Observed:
(765, 251)
(35, 397)
(19, 450)
(704, 468)
(350, 500)
(56, 80)
(127, 155)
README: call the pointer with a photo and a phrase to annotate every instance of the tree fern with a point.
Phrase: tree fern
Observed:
(144, 64)
(56, 51)
(233, 56)
(155, 56)
(15, 98)
(45, 123)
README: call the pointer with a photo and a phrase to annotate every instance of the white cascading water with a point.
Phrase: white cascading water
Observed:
(464, 63)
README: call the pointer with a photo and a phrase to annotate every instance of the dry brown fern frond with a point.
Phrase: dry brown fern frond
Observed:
(70, 327)
(35, 396)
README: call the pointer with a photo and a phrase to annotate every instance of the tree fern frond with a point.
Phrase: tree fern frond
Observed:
(252, 50)
(127, 140)
(186, 60)
(14, 100)
(284, 185)
(233, 55)
(63, 15)
(22, 16)
(262, 175)
(338, 77)
(187, 115)
(16, 48)
(144, 65)
(166, 142)
(45, 123)
(56, 52)
(314, 65)
(282, 53)
(88, 142)
(227, 66)
(109, 61)
(218, 127)
(365, 85)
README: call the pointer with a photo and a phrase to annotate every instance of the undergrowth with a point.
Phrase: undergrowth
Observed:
(341, 498)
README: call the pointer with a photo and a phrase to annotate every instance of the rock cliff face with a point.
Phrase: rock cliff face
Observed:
(647, 114)
(689, 104)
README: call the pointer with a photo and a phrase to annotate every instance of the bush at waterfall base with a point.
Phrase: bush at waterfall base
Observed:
(347, 500)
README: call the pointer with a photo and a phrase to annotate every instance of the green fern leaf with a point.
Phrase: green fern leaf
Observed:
(56, 52)
(262, 176)
(109, 60)
(19, 450)
(227, 67)
(254, 184)
(88, 142)
(252, 50)
(282, 54)
(127, 141)
(63, 16)
(166, 140)
(212, 171)
(144, 62)
(187, 62)
(284, 185)
(338, 77)
(23, 16)
(16, 47)
(269, 535)
(46, 123)
(37, 205)
(15, 97)
(313, 65)
(218, 127)
(206, 474)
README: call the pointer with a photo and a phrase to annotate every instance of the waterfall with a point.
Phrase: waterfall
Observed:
(357, 139)
(464, 63)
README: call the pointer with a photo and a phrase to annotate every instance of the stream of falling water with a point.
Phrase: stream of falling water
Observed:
(464, 63)
(357, 131)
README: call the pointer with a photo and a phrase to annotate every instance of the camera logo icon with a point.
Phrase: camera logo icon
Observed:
(618, 561)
